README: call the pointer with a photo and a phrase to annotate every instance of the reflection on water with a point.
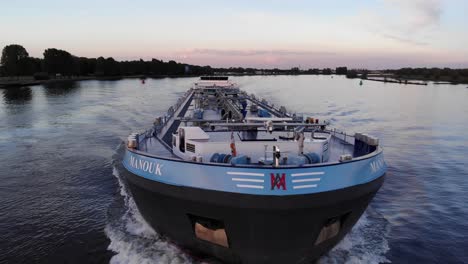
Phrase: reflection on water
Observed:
(58, 191)
(17, 95)
(61, 88)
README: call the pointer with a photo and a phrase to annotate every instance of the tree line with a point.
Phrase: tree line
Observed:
(436, 74)
(15, 61)
(255, 71)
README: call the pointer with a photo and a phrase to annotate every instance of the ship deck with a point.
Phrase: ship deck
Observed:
(153, 146)
(159, 144)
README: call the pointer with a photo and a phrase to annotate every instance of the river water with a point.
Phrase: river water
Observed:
(62, 199)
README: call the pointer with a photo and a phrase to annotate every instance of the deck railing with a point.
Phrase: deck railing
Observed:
(347, 138)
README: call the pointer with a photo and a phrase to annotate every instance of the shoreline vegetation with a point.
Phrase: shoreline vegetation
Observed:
(17, 68)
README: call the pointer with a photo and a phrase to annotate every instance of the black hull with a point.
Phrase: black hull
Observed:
(260, 229)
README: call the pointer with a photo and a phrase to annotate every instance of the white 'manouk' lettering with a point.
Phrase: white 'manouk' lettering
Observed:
(146, 166)
(158, 169)
(151, 168)
(377, 164)
(132, 162)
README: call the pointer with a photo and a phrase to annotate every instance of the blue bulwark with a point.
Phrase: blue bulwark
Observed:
(259, 181)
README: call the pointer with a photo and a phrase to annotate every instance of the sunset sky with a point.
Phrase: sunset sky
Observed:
(355, 33)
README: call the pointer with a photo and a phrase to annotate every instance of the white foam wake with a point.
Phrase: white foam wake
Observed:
(133, 240)
(366, 243)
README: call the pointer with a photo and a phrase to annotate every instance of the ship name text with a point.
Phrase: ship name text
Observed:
(146, 166)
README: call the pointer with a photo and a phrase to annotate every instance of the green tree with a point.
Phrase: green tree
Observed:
(108, 67)
(351, 74)
(112, 67)
(12, 55)
(454, 76)
(59, 62)
(29, 66)
(156, 66)
(86, 66)
(295, 70)
(364, 74)
(99, 70)
(341, 70)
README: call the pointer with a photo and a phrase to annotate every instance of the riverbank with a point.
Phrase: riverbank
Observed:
(8, 82)
(399, 81)
(439, 80)
(12, 82)
(405, 79)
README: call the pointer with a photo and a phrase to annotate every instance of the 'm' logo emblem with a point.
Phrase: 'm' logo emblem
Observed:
(278, 181)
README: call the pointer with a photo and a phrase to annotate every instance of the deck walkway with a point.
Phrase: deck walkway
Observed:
(167, 134)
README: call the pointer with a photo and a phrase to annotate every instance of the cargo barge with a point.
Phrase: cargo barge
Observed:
(226, 174)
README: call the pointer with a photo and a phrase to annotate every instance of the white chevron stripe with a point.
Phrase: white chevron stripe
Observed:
(247, 180)
(249, 186)
(306, 180)
(245, 173)
(307, 174)
(305, 186)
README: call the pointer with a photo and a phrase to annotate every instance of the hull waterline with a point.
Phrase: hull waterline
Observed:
(267, 228)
